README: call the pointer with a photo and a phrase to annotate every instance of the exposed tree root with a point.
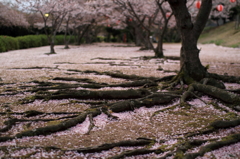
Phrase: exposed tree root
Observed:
(225, 78)
(102, 58)
(91, 126)
(237, 91)
(53, 128)
(116, 75)
(215, 126)
(73, 79)
(37, 67)
(225, 124)
(103, 147)
(213, 91)
(177, 58)
(43, 86)
(186, 144)
(85, 94)
(138, 142)
(154, 99)
(149, 101)
(232, 139)
(165, 78)
(135, 152)
(9, 124)
(137, 83)
(12, 122)
(32, 113)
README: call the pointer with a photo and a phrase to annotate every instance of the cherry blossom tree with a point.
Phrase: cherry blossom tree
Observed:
(190, 32)
(192, 71)
(143, 21)
(107, 15)
(141, 15)
(84, 22)
(11, 17)
(52, 12)
(80, 21)
(191, 22)
(146, 17)
(73, 21)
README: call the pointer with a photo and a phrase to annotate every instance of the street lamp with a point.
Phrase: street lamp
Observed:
(46, 14)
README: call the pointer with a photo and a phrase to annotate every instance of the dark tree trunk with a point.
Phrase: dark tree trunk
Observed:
(190, 63)
(66, 41)
(52, 44)
(52, 50)
(82, 33)
(159, 50)
(138, 39)
(142, 39)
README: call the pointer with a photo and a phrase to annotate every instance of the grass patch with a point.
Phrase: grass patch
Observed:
(224, 35)
(236, 45)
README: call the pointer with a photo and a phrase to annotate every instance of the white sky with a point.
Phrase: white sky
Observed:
(6, 1)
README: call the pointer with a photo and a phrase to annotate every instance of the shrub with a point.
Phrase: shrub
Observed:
(8, 43)
(34, 40)
(28, 41)
(23, 42)
(113, 39)
(59, 39)
(100, 39)
(44, 40)
(2, 45)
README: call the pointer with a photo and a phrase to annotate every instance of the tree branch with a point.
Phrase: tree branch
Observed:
(201, 17)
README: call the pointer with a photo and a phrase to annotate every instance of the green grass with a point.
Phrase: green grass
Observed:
(224, 35)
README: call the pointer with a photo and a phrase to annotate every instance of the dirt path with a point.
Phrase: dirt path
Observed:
(36, 120)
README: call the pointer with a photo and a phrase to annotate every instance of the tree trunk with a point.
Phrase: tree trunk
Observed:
(52, 50)
(138, 40)
(189, 60)
(52, 44)
(66, 41)
(81, 34)
(146, 41)
(237, 21)
(190, 63)
(159, 50)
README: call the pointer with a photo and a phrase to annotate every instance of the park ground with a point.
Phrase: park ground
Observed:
(161, 127)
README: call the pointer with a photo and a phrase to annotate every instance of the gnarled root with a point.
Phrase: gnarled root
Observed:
(213, 91)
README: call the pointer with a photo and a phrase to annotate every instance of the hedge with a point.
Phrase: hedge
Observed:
(8, 43)
(23, 42)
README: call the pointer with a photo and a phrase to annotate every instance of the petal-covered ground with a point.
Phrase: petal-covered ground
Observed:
(145, 132)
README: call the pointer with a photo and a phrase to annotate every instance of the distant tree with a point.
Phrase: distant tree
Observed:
(52, 12)
(10, 16)
(146, 16)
